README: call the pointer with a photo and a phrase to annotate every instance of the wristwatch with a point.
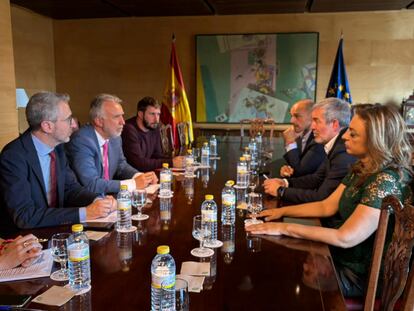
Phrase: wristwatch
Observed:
(281, 192)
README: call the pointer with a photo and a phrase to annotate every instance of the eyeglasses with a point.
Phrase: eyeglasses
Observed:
(67, 120)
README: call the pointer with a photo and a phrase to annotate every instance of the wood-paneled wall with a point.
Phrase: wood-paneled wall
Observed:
(8, 111)
(129, 56)
(33, 54)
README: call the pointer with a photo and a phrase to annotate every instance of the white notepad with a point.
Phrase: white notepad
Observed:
(40, 268)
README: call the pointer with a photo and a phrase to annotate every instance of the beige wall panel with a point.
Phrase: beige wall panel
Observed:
(33, 50)
(129, 56)
(400, 52)
(8, 112)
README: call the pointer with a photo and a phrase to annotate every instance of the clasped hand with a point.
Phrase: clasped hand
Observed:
(101, 207)
(271, 185)
(23, 250)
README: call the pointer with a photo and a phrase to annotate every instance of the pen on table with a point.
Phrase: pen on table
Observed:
(264, 175)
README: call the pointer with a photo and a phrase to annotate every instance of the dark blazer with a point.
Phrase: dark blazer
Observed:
(319, 185)
(23, 192)
(308, 161)
(85, 158)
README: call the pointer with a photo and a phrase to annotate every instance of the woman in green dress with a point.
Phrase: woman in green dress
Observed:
(377, 137)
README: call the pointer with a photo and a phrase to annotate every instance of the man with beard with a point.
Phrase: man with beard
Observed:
(303, 155)
(95, 151)
(141, 139)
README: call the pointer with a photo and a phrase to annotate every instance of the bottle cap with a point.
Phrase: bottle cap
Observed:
(209, 197)
(246, 148)
(205, 144)
(77, 228)
(165, 165)
(242, 159)
(163, 249)
(213, 136)
(190, 151)
(124, 187)
(230, 183)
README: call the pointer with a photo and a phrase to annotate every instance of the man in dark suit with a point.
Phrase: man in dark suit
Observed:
(35, 179)
(95, 151)
(303, 155)
(330, 119)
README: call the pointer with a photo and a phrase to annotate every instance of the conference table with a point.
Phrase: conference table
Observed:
(248, 273)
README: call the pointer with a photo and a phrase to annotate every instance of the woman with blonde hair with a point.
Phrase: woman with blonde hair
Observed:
(377, 137)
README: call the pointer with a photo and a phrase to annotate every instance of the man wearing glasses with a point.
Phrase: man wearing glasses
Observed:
(38, 189)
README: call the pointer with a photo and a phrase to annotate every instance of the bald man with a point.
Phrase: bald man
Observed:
(303, 155)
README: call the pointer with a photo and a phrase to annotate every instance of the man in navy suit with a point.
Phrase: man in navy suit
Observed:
(303, 155)
(95, 151)
(330, 119)
(35, 179)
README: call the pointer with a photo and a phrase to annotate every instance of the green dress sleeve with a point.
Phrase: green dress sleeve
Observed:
(378, 186)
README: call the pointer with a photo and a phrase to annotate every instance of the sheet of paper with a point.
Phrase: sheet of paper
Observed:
(95, 235)
(195, 283)
(195, 268)
(40, 268)
(55, 296)
(151, 189)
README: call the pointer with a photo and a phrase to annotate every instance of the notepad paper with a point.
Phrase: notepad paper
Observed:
(151, 189)
(195, 283)
(55, 296)
(40, 268)
(95, 235)
(195, 268)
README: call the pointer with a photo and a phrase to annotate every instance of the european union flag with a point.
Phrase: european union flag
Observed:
(338, 84)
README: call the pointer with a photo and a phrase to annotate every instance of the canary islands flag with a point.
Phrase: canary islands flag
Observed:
(338, 84)
(175, 106)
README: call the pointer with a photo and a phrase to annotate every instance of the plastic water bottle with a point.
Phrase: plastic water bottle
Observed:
(247, 157)
(254, 153)
(123, 199)
(259, 142)
(213, 145)
(189, 164)
(165, 181)
(209, 216)
(205, 155)
(79, 262)
(228, 204)
(162, 273)
(242, 173)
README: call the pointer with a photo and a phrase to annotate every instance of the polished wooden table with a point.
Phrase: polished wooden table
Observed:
(248, 273)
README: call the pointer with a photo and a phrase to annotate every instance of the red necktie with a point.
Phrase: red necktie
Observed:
(105, 161)
(53, 180)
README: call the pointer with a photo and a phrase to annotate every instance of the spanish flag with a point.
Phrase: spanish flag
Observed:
(175, 108)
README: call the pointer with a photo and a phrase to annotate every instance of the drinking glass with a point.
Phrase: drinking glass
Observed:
(59, 251)
(196, 154)
(254, 206)
(182, 299)
(253, 180)
(139, 199)
(175, 297)
(200, 232)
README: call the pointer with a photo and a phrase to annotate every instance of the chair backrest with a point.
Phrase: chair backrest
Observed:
(397, 258)
(183, 133)
(167, 139)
